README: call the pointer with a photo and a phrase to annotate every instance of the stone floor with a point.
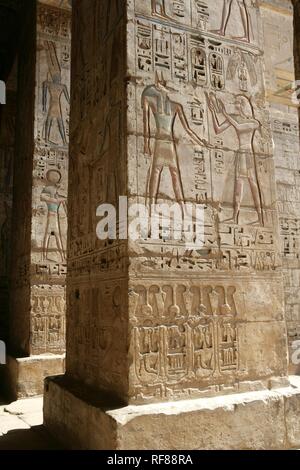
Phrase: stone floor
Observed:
(21, 426)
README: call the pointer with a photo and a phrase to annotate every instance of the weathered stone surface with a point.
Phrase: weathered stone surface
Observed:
(252, 420)
(39, 263)
(292, 423)
(173, 111)
(25, 377)
(172, 147)
(29, 410)
(280, 78)
(65, 4)
(22, 426)
(9, 422)
(37, 319)
(26, 406)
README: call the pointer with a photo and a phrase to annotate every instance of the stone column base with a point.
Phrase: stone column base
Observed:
(24, 377)
(253, 420)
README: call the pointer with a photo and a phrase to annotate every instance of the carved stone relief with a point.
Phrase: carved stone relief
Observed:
(189, 124)
(40, 269)
(200, 131)
(278, 35)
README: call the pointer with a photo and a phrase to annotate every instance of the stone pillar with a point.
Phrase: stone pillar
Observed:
(9, 27)
(280, 78)
(296, 6)
(37, 320)
(170, 336)
(7, 142)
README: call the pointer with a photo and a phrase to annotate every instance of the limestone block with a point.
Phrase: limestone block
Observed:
(278, 27)
(174, 112)
(24, 377)
(262, 420)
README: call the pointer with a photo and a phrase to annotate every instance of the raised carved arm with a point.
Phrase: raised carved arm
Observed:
(187, 128)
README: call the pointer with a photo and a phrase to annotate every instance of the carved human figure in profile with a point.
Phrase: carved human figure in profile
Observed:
(54, 201)
(245, 17)
(245, 125)
(56, 91)
(156, 100)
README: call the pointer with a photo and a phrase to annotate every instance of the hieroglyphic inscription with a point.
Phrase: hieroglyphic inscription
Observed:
(180, 118)
(189, 334)
(280, 76)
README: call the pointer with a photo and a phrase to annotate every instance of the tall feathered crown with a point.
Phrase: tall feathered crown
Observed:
(160, 80)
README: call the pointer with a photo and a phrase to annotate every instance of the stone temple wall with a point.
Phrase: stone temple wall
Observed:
(98, 280)
(209, 318)
(50, 180)
(280, 77)
(169, 107)
(196, 320)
